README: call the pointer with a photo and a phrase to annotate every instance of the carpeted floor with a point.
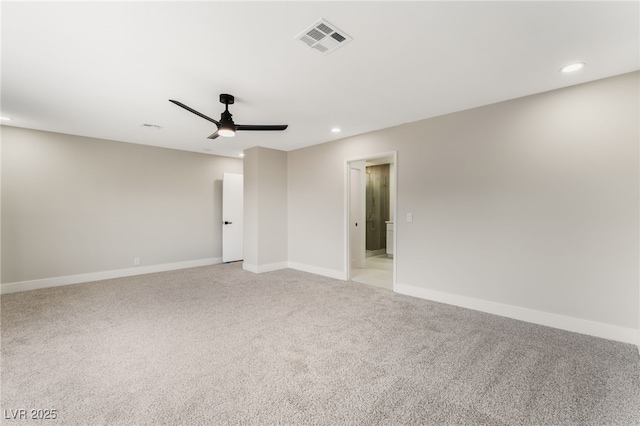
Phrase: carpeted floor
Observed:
(218, 345)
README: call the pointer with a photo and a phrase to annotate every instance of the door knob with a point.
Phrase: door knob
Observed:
(227, 222)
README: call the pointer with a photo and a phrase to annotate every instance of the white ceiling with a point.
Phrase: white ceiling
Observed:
(102, 69)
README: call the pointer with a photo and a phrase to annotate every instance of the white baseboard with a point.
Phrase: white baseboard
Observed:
(331, 273)
(576, 325)
(105, 275)
(250, 268)
(258, 269)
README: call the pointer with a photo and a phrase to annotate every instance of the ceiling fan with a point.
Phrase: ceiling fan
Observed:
(226, 126)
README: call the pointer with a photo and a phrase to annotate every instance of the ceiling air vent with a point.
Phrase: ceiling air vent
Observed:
(324, 36)
(151, 126)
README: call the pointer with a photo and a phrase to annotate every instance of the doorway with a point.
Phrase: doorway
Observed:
(370, 219)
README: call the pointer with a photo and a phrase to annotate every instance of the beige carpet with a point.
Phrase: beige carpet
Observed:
(218, 345)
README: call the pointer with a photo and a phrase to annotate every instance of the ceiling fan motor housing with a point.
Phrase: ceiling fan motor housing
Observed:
(226, 121)
(225, 118)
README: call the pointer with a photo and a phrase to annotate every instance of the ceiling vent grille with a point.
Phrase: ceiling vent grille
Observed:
(324, 37)
(151, 126)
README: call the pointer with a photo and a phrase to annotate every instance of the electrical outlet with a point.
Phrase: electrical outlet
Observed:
(136, 261)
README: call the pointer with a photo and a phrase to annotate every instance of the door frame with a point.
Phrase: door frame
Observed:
(357, 168)
(393, 176)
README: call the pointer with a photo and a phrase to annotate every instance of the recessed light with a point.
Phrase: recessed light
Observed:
(6, 118)
(572, 67)
(241, 155)
(336, 130)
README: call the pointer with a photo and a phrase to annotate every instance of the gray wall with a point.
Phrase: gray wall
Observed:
(531, 202)
(74, 205)
(265, 195)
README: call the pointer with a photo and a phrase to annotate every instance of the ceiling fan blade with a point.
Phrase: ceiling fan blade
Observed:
(261, 126)
(214, 135)
(180, 104)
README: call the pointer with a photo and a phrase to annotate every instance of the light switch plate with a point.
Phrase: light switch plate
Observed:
(409, 217)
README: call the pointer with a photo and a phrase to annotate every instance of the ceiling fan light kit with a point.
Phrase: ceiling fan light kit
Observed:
(226, 131)
(226, 126)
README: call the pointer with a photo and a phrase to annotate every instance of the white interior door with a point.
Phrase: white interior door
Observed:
(232, 217)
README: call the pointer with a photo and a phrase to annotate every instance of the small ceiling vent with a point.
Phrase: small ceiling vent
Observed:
(151, 126)
(324, 36)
